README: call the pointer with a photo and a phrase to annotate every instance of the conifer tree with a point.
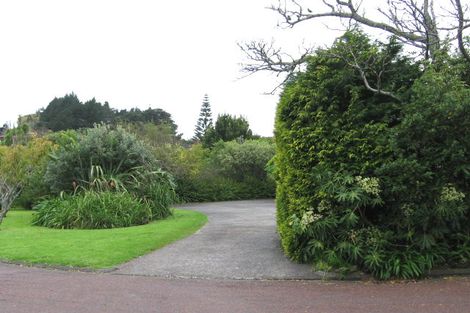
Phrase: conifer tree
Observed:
(204, 121)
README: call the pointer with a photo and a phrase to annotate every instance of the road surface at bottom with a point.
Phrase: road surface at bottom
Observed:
(26, 290)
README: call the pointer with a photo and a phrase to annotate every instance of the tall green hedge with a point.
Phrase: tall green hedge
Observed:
(366, 180)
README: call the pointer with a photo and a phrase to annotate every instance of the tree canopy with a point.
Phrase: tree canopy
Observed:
(69, 112)
(227, 128)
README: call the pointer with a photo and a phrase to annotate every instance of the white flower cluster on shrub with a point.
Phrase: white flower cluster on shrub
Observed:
(370, 185)
(450, 194)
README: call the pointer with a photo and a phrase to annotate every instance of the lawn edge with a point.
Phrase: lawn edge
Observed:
(109, 269)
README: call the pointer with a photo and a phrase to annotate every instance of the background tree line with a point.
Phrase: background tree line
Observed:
(69, 112)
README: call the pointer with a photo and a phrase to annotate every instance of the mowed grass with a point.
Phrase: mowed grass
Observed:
(19, 241)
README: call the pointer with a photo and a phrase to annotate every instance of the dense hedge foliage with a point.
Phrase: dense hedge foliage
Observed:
(93, 210)
(365, 180)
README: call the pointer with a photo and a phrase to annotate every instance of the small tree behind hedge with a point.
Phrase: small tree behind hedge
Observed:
(227, 128)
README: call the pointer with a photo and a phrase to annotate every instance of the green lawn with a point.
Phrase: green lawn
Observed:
(19, 241)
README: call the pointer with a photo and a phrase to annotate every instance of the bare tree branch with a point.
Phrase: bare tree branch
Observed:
(8, 193)
(344, 10)
(265, 56)
(461, 27)
(374, 90)
(365, 66)
(413, 22)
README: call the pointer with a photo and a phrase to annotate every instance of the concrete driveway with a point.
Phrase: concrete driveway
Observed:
(239, 242)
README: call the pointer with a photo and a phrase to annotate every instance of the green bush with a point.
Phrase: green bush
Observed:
(240, 161)
(365, 180)
(105, 160)
(26, 165)
(113, 149)
(93, 210)
(227, 128)
(229, 171)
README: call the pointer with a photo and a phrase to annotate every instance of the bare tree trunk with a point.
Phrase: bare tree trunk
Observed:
(430, 30)
(8, 194)
(461, 27)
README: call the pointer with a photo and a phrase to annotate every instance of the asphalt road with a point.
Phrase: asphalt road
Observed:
(239, 242)
(26, 290)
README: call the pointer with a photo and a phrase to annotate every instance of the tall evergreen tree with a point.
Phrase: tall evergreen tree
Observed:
(205, 119)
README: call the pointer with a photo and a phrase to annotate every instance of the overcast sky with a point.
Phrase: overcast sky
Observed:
(138, 53)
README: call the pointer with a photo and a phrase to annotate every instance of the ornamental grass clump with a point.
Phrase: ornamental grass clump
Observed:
(93, 210)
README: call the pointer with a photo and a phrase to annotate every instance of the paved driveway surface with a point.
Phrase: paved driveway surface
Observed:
(239, 242)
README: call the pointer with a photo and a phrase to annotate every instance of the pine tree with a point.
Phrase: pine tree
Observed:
(205, 119)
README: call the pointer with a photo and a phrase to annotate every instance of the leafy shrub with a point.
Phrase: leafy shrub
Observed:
(105, 160)
(242, 160)
(155, 188)
(368, 181)
(156, 135)
(19, 135)
(227, 128)
(111, 201)
(229, 171)
(26, 165)
(64, 139)
(92, 210)
(113, 149)
(202, 189)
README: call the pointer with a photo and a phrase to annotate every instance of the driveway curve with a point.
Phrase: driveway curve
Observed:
(238, 242)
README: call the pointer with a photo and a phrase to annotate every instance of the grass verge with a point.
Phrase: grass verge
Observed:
(20, 241)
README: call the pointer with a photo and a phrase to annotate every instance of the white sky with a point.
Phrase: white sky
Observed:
(136, 53)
